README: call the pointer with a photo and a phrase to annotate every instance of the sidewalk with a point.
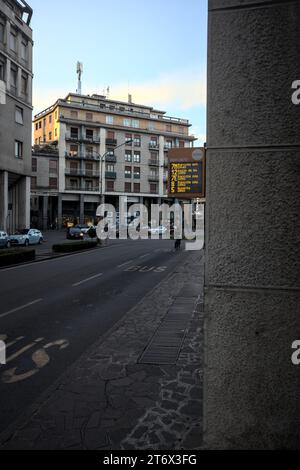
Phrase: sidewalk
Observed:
(138, 387)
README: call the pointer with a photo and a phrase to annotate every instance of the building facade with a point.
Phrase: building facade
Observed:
(105, 149)
(15, 114)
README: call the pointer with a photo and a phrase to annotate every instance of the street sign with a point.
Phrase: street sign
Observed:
(187, 173)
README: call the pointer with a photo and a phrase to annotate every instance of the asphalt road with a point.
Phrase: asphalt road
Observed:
(52, 311)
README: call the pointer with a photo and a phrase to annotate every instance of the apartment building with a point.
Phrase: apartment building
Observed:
(15, 113)
(105, 149)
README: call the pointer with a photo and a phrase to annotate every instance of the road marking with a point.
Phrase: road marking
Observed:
(146, 269)
(20, 308)
(144, 256)
(77, 284)
(125, 264)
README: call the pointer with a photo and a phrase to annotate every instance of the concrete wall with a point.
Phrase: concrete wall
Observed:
(252, 281)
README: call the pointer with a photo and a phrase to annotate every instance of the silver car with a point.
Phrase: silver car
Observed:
(4, 240)
(27, 237)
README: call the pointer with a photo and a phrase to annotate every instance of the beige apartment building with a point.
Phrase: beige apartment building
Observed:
(15, 114)
(88, 149)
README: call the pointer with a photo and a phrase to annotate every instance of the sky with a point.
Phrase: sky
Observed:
(153, 49)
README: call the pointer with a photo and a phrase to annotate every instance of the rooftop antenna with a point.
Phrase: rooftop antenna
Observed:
(79, 73)
(108, 92)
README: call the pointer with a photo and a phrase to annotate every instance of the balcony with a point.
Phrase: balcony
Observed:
(111, 159)
(154, 146)
(85, 189)
(84, 172)
(81, 156)
(167, 148)
(111, 142)
(153, 162)
(153, 178)
(89, 139)
(111, 175)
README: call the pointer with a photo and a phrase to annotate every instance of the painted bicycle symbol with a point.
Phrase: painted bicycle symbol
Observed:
(40, 357)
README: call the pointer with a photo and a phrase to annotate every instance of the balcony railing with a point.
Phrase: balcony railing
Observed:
(111, 175)
(111, 158)
(95, 139)
(94, 189)
(154, 145)
(84, 172)
(81, 156)
(153, 179)
(153, 162)
(111, 142)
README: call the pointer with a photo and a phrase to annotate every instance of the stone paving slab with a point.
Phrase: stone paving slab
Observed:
(107, 400)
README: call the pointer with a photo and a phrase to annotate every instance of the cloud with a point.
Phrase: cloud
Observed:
(181, 90)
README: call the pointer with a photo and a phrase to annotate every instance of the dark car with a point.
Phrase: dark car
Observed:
(74, 233)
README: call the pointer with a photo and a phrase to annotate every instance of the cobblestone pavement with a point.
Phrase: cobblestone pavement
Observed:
(109, 400)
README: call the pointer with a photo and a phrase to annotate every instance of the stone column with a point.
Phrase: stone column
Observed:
(59, 212)
(3, 200)
(252, 279)
(23, 202)
(81, 212)
(45, 212)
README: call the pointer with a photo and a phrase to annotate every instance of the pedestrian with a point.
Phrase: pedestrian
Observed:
(177, 244)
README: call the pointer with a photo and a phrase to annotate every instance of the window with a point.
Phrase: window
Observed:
(13, 39)
(53, 183)
(153, 188)
(74, 184)
(89, 116)
(181, 144)
(110, 186)
(34, 165)
(169, 144)
(53, 167)
(18, 149)
(110, 135)
(74, 133)
(36, 126)
(135, 123)
(2, 29)
(137, 157)
(127, 122)
(128, 156)
(137, 187)
(127, 187)
(109, 119)
(110, 168)
(88, 185)
(153, 173)
(168, 127)
(137, 140)
(73, 168)
(137, 173)
(44, 122)
(33, 182)
(50, 135)
(89, 169)
(24, 49)
(89, 150)
(56, 115)
(127, 171)
(128, 138)
(153, 142)
(19, 115)
(13, 78)
(89, 134)
(24, 84)
(2, 68)
(40, 125)
(50, 118)
(74, 114)
(55, 132)
(74, 150)
(154, 156)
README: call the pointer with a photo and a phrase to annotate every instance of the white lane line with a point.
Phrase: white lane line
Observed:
(144, 256)
(2, 315)
(125, 264)
(87, 280)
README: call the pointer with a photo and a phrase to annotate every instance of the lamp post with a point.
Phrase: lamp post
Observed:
(102, 160)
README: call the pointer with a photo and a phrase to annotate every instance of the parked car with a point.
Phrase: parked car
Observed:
(27, 237)
(4, 240)
(74, 233)
(84, 228)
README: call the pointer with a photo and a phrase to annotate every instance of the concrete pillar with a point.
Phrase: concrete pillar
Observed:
(23, 202)
(3, 200)
(59, 212)
(252, 279)
(81, 212)
(45, 212)
(161, 165)
(62, 148)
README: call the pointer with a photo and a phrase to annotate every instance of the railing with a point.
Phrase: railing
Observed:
(111, 142)
(83, 138)
(81, 156)
(154, 145)
(153, 179)
(111, 158)
(112, 175)
(86, 189)
(88, 173)
(153, 162)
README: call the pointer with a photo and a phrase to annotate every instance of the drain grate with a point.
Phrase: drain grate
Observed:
(167, 341)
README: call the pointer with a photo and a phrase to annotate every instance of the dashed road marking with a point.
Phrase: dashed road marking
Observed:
(22, 307)
(77, 284)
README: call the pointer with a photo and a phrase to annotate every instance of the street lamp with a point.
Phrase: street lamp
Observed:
(102, 160)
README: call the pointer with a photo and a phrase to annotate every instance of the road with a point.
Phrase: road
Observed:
(52, 311)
